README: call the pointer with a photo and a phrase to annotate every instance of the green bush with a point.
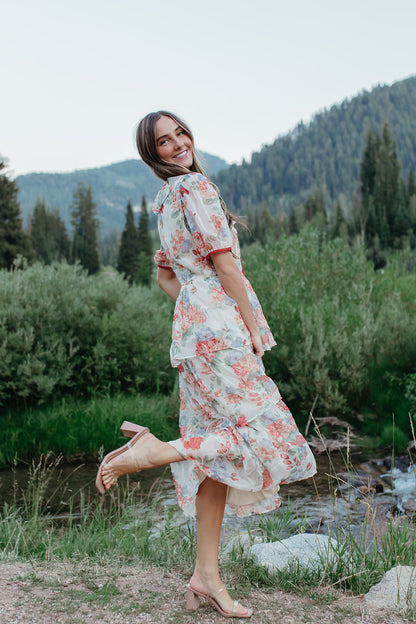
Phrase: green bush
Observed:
(333, 318)
(393, 437)
(62, 331)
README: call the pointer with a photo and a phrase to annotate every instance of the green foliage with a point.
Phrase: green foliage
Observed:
(62, 331)
(128, 255)
(393, 437)
(13, 241)
(85, 222)
(48, 234)
(144, 246)
(78, 426)
(332, 317)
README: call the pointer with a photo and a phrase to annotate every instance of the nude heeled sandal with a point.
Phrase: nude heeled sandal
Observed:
(193, 601)
(129, 429)
(138, 435)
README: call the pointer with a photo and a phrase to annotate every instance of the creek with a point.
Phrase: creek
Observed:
(338, 494)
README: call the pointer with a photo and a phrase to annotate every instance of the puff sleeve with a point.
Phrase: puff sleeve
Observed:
(205, 216)
(161, 259)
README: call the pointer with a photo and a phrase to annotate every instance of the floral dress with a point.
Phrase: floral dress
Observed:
(234, 425)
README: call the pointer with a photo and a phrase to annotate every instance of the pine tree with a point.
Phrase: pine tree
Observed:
(48, 234)
(13, 240)
(145, 247)
(109, 248)
(85, 222)
(339, 226)
(267, 227)
(128, 255)
(386, 187)
(293, 224)
(411, 186)
(314, 209)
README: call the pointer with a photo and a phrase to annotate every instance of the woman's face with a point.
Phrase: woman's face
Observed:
(172, 143)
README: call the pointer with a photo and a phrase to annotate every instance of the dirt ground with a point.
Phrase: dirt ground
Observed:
(83, 593)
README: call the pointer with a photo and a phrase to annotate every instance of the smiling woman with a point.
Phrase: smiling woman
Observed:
(238, 441)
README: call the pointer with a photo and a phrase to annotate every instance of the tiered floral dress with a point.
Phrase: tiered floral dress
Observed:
(234, 425)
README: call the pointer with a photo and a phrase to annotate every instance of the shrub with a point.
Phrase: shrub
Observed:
(62, 331)
(333, 318)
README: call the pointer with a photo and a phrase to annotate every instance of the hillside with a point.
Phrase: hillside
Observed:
(112, 185)
(327, 151)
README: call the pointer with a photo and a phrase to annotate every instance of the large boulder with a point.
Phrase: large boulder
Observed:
(308, 549)
(397, 588)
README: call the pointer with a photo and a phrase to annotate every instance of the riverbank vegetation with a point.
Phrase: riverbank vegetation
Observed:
(124, 527)
(71, 343)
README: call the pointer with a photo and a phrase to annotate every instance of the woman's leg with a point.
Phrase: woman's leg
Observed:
(210, 504)
(149, 453)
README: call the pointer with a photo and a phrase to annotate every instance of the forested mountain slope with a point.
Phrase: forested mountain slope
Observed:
(112, 187)
(326, 152)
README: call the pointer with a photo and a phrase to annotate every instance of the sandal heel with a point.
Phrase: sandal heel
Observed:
(192, 600)
(129, 429)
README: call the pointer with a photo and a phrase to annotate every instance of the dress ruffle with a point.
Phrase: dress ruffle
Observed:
(236, 429)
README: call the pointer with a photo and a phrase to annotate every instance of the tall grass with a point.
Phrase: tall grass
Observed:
(77, 426)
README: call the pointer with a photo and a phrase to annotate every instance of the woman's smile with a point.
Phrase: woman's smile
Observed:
(172, 143)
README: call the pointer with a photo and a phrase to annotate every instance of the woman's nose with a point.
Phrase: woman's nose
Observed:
(178, 142)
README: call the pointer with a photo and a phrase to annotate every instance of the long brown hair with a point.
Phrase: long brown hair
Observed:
(146, 144)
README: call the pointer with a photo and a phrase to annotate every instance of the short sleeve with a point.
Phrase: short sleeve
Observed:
(161, 259)
(205, 216)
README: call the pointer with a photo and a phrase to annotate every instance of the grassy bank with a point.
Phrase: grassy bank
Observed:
(124, 528)
(78, 426)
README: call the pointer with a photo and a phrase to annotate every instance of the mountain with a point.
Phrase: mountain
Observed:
(325, 152)
(113, 185)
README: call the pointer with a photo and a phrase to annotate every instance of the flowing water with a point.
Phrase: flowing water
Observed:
(336, 495)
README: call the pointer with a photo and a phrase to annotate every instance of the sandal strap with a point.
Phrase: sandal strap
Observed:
(217, 592)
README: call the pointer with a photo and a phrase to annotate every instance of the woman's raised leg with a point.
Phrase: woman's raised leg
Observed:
(210, 504)
(147, 452)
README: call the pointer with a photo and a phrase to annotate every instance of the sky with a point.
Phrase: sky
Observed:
(78, 75)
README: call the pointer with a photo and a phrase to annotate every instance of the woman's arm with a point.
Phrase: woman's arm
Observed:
(232, 281)
(168, 282)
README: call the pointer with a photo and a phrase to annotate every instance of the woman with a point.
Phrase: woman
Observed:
(238, 439)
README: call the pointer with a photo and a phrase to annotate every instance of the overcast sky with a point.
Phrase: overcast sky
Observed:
(77, 75)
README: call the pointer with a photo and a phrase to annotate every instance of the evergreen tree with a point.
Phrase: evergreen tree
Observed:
(386, 187)
(411, 186)
(267, 226)
(128, 255)
(13, 240)
(85, 222)
(339, 226)
(314, 210)
(385, 206)
(293, 224)
(144, 246)
(48, 234)
(109, 248)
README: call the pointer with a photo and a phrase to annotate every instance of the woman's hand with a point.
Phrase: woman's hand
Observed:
(257, 343)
